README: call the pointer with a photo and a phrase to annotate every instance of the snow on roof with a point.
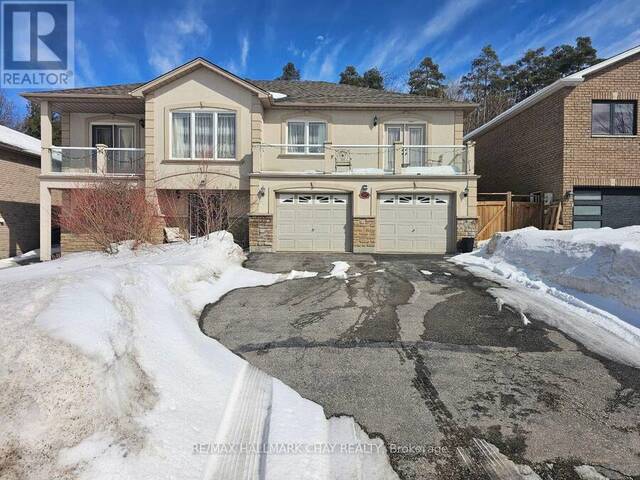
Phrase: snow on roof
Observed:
(277, 95)
(19, 140)
(568, 81)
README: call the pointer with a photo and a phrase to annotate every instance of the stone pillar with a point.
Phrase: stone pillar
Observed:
(45, 222)
(466, 227)
(364, 234)
(329, 164)
(398, 157)
(260, 232)
(257, 153)
(101, 159)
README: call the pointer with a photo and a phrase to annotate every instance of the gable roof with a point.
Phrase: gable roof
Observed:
(190, 67)
(19, 141)
(568, 81)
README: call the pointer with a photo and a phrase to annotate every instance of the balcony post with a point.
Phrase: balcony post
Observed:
(257, 153)
(46, 138)
(101, 159)
(329, 166)
(398, 160)
(470, 157)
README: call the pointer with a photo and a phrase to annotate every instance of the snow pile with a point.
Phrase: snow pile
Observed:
(105, 374)
(435, 170)
(589, 278)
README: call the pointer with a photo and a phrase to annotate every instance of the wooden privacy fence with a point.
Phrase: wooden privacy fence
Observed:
(505, 211)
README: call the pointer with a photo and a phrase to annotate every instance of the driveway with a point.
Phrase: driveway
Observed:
(432, 365)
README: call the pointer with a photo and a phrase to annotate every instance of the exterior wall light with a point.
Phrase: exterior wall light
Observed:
(261, 192)
(375, 120)
(364, 192)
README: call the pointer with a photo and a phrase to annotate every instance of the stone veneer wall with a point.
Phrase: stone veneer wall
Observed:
(466, 227)
(261, 233)
(364, 234)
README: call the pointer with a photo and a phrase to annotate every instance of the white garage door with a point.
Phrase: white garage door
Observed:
(415, 223)
(312, 222)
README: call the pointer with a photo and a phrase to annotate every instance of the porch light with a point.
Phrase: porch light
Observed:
(465, 192)
(261, 192)
(364, 192)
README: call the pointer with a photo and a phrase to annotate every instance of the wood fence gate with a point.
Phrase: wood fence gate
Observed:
(505, 211)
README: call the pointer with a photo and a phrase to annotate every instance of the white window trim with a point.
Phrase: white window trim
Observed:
(192, 124)
(306, 145)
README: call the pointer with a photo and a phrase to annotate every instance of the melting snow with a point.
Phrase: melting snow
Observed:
(110, 375)
(585, 282)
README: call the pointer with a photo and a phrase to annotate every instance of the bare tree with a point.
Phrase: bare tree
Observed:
(109, 212)
(8, 112)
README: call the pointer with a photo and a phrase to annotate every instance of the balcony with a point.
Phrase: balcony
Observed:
(329, 159)
(100, 160)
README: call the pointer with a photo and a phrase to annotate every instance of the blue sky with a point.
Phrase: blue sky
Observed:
(128, 41)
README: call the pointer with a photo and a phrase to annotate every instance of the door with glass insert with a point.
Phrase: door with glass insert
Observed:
(394, 134)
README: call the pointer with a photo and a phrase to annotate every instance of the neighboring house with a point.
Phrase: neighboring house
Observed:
(317, 166)
(576, 139)
(19, 192)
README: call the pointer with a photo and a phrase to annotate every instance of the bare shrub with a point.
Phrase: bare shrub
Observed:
(109, 212)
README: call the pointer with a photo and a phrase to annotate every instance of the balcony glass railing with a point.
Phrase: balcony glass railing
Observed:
(97, 161)
(395, 159)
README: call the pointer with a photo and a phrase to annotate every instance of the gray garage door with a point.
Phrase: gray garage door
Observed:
(313, 222)
(414, 223)
(606, 207)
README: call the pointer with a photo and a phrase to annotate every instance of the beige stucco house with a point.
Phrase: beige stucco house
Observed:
(316, 166)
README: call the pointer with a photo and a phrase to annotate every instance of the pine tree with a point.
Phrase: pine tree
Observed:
(31, 123)
(289, 72)
(372, 78)
(350, 76)
(427, 79)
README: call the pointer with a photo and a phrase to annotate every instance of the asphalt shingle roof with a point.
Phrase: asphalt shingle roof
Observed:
(296, 91)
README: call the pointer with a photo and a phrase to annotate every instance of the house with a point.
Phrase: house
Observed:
(19, 192)
(576, 141)
(316, 166)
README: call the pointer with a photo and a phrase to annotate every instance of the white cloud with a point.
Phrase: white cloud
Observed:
(403, 44)
(170, 39)
(244, 52)
(85, 73)
(321, 62)
(611, 25)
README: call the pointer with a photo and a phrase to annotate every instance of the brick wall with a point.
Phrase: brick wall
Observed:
(600, 161)
(260, 233)
(74, 242)
(364, 234)
(524, 154)
(19, 202)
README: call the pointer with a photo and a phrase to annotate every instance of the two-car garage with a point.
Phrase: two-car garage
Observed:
(417, 222)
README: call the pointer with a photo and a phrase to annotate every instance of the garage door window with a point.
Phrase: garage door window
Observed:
(337, 199)
(587, 209)
(322, 198)
(405, 199)
(286, 198)
(441, 199)
(423, 199)
(304, 199)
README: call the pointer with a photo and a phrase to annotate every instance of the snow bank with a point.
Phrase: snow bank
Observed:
(105, 374)
(589, 279)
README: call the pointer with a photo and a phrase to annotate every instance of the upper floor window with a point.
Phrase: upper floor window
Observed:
(613, 117)
(309, 135)
(203, 134)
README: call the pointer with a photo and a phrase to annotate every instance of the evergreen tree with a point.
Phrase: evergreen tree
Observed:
(350, 76)
(427, 79)
(372, 78)
(289, 72)
(31, 123)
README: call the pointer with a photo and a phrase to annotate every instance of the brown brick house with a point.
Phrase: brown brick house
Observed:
(576, 139)
(19, 192)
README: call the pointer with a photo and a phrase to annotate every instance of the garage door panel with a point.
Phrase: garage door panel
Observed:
(319, 225)
(419, 226)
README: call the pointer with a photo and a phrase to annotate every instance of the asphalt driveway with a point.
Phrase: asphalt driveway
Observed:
(432, 365)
